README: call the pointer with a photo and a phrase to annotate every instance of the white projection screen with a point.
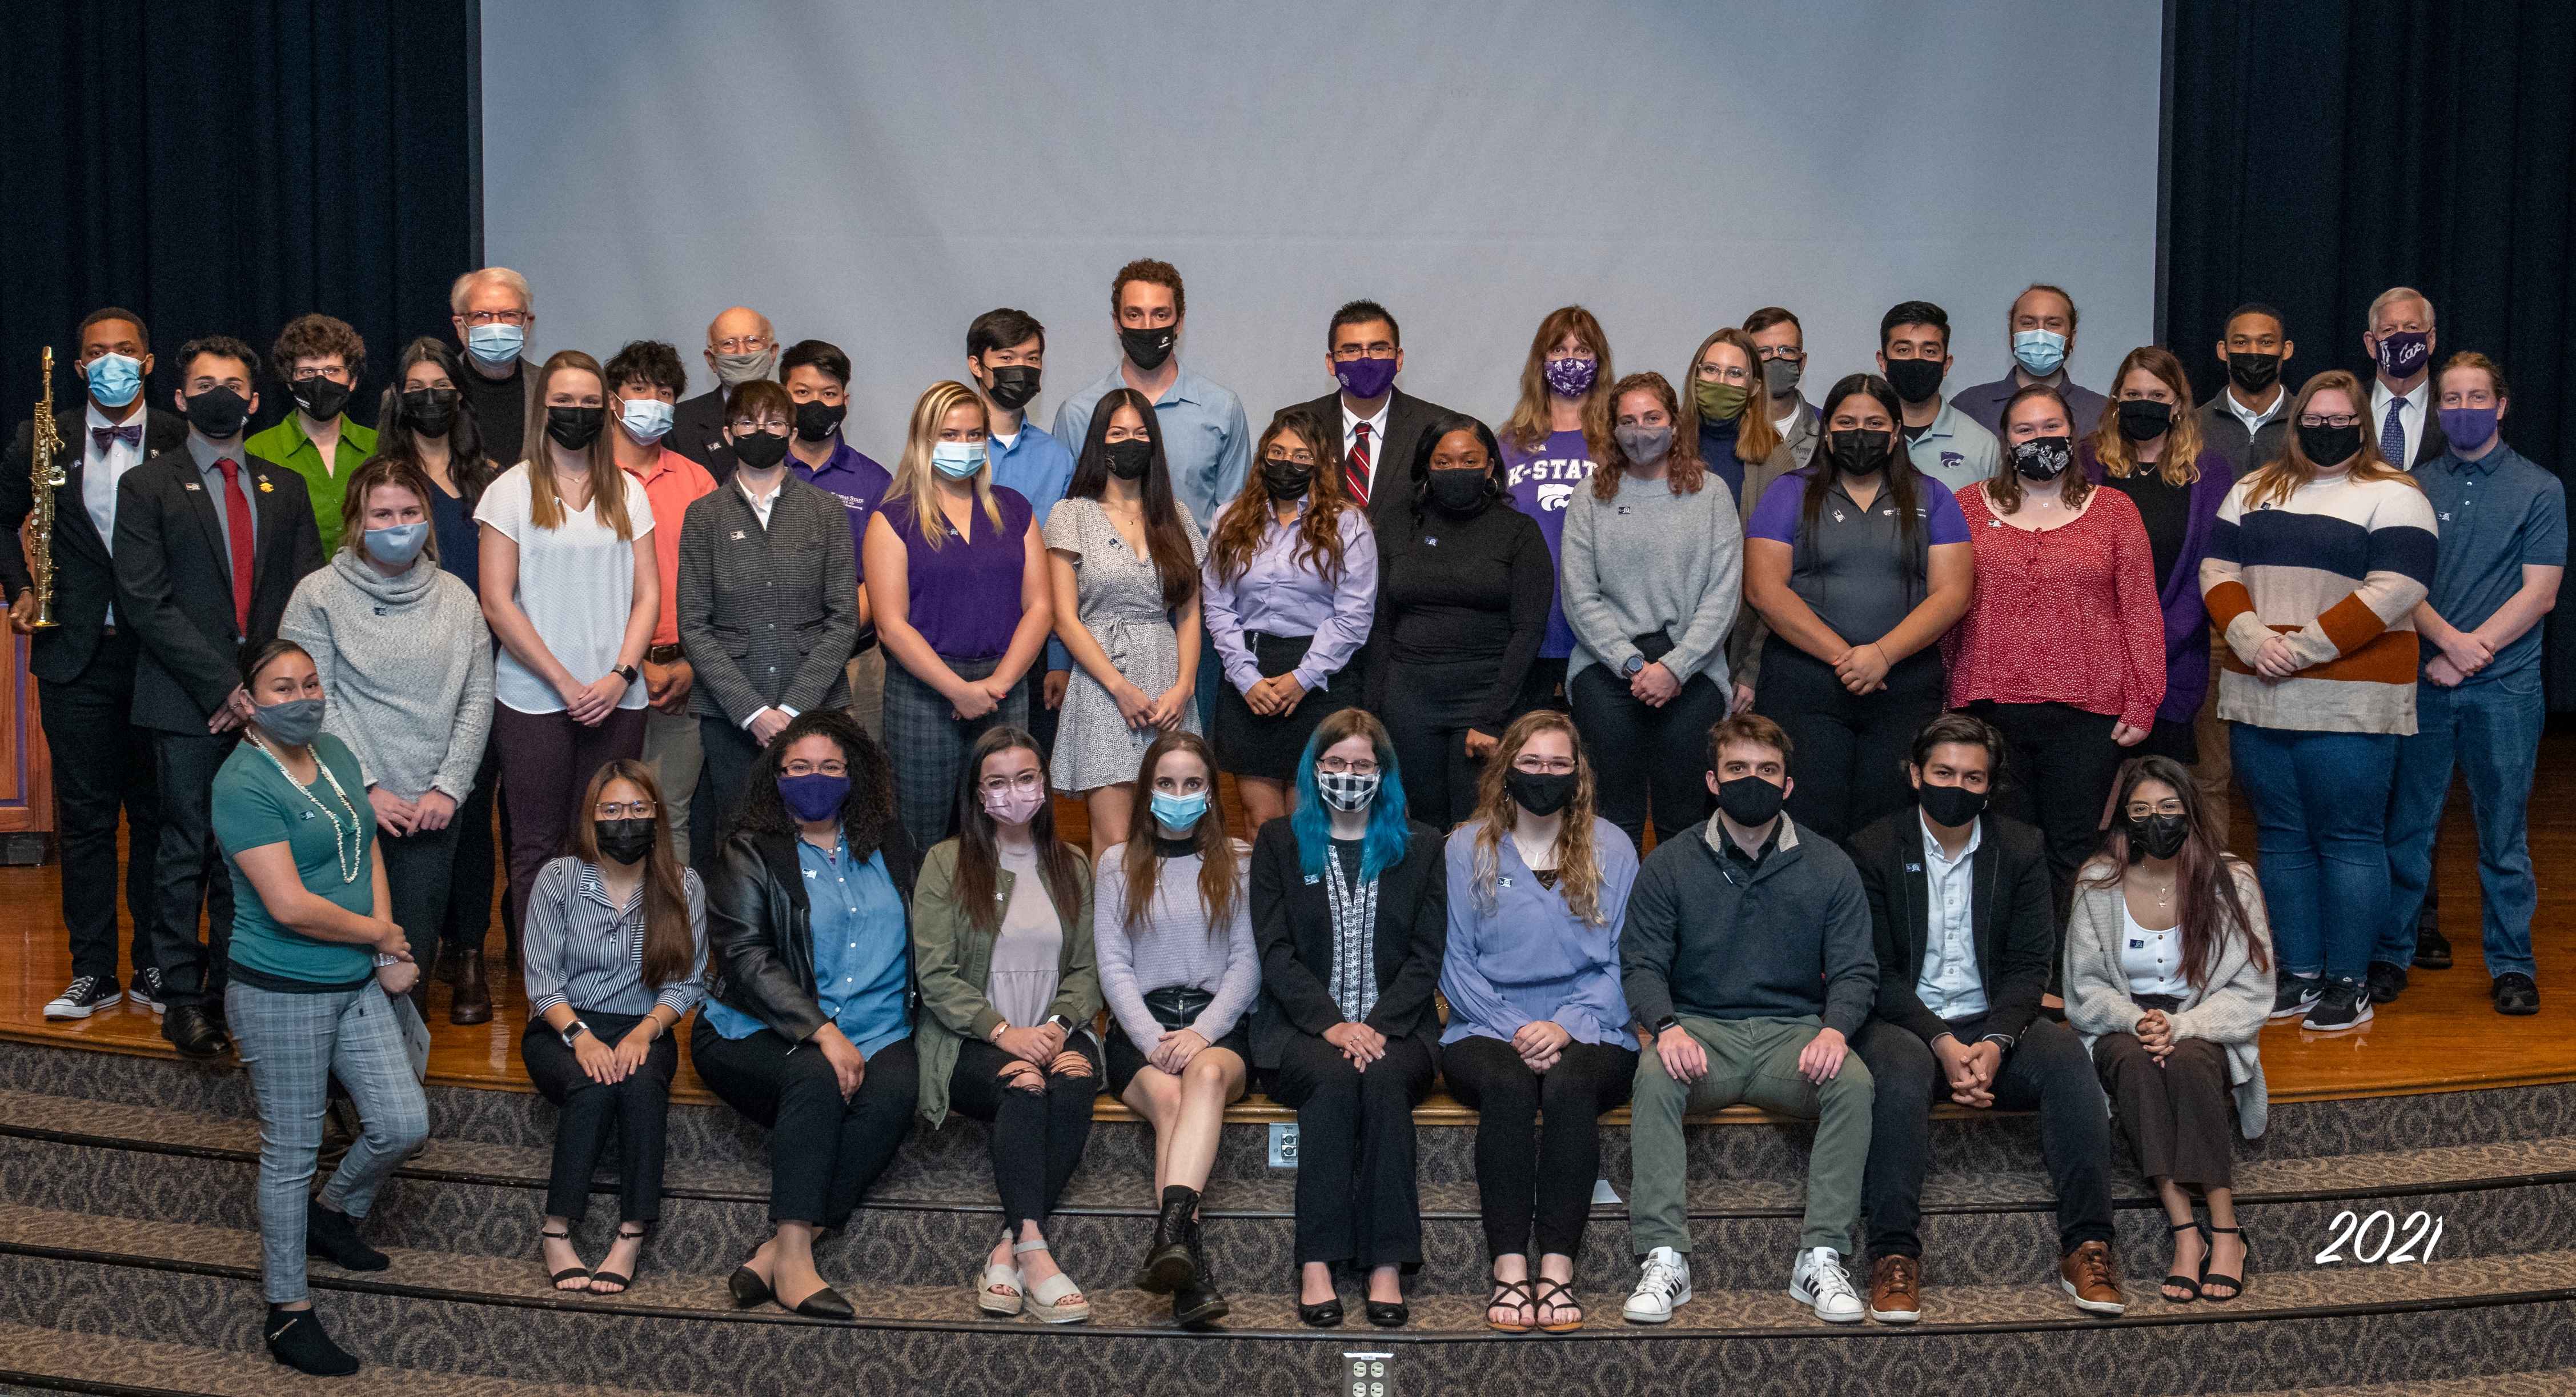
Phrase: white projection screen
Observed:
(877, 174)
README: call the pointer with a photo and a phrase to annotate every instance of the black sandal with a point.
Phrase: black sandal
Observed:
(612, 1277)
(1503, 1292)
(1554, 1295)
(567, 1273)
(2179, 1281)
(2235, 1284)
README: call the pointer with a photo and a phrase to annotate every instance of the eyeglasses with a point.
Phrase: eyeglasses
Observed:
(496, 317)
(1294, 458)
(1336, 766)
(742, 344)
(1769, 352)
(1374, 349)
(744, 426)
(2340, 420)
(1725, 373)
(1543, 766)
(2139, 809)
(832, 766)
(1025, 781)
(631, 810)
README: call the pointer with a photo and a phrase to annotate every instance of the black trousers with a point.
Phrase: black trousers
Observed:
(729, 754)
(420, 873)
(1851, 748)
(1037, 1136)
(823, 1151)
(2060, 762)
(2177, 1115)
(633, 1111)
(1428, 711)
(1357, 1201)
(1527, 1169)
(1648, 755)
(474, 869)
(190, 869)
(103, 764)
(2046, 1070)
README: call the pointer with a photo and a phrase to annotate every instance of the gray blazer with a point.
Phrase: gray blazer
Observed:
(2230, 1010)
(768, 617)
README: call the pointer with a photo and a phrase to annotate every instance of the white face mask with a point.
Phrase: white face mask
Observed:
(647, 420)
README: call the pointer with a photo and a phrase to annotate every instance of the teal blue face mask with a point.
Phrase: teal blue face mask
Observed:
(2039, 351)
(957, 459)
(1179, 814)
(114, 379)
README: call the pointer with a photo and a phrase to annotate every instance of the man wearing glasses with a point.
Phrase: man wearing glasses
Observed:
(321, 359)
(1781, 342)
(741, 346)
(1381, 423)
(493, 311)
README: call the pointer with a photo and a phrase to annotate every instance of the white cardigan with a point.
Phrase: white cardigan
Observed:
(2230, 1009)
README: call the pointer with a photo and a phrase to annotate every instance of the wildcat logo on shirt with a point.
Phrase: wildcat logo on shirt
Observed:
(1952, 458)
(1555, 478)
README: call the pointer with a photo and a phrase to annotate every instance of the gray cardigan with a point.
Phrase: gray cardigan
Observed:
(406, 668)
(2230, 1010)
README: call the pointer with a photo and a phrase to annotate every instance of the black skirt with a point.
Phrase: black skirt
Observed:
(1248, 744)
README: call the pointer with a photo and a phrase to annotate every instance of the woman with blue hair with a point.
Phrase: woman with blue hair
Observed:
(1350, 910)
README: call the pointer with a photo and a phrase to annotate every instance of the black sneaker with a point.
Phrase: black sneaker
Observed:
(2344, 1004)
(2297, 995)
(146, 989)
(2432, 950)
(2516, 994)
(2386, 981)
(84, 996)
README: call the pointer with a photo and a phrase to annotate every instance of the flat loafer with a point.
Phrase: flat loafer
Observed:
(1327, 1315)
(1386, 1315)
(747, 1287)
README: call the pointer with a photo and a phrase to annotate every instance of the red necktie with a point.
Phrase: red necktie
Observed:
(1356, 469)
(237, 533)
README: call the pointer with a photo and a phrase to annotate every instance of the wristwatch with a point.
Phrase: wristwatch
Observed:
(1667, 1021)
(1061, 1022)
(625, 672)
(575, 1030)
(1635, 664)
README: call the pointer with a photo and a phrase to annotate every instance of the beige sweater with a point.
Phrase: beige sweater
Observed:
(2231, 1009)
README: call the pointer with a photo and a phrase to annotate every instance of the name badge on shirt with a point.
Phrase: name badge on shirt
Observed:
(737, 535)
(1502, 882)
(1313, 878)
(2137, 945)
(809, 873)
(1431, 543)
(1914, 868)
(191, 486)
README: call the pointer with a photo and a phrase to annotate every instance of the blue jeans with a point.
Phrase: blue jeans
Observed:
(2320, 802)
(293, 1045)
(2490, 730)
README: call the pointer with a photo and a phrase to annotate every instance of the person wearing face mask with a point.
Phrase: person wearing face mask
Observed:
(1652, 575)
(570, 588)
(1722, 413)
(2314, 577)
(1381, 423)
(493, 310)
(1001, 940)
(321, 360)
(2247, 421)
(2041, 327)
(741, 347)
(1959, 901)
(210, 541)
(1178, 970)
(319, 974)
(1780, 344)
(644, 380)
(1005, 360)
(1537, 884)
(2169, 974)
(406, 668)
(84, 664)
(1124, 559)
(1289, 594)
(1211, 449)
(1463, 592)
(816, 375)
(1549, 451)
(1746, 958)
(1855, 567)
(2400, 342)
(1350, 910)
(1947, 444)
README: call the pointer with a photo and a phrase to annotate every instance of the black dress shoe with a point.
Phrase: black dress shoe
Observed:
(2516, 994)
(295, 1338)
(2387, 980)
(825, 1304)
(1327, 1315)
(747, 1287)
(2432, 950)
(193, 1033)
(1389, 1315)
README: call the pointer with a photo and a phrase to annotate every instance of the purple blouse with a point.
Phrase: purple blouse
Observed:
(965, 593)
(1283, 593)
(2186, 619)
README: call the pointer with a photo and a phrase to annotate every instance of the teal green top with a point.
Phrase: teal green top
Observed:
(256, 805)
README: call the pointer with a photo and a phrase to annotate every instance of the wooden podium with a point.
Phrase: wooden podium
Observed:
(26, 769)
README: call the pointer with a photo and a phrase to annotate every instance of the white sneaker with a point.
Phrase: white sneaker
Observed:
(1663, 1286)
(1818, 1280)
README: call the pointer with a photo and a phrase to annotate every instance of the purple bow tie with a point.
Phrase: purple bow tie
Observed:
(131, 434)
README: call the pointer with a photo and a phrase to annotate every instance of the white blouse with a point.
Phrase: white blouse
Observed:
(2151, 959)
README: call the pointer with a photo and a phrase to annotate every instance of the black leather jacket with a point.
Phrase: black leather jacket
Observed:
(760, 936)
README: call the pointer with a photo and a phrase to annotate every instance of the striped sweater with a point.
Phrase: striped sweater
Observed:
(2338, 568)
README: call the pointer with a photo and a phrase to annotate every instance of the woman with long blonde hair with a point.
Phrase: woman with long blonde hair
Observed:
(1557, 431)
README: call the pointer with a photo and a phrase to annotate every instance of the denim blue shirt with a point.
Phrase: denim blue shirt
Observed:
(2493, 517)
(860, 940)
(1206, 442)
(1530, 957)
(1039, 467)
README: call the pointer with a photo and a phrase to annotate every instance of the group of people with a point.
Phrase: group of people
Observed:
(790, 763)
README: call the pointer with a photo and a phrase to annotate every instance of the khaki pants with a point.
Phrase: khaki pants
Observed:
(671, 749)
(867, 691)
(1753, 1061)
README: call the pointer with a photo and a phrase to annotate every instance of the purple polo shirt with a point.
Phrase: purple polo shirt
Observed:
(859, 483)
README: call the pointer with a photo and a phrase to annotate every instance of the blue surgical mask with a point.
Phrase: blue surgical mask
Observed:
(1180, 814)
(397, 546)
(495, 344)
(957, 459)
(114, 379)
(648, 420)
(2040, 351)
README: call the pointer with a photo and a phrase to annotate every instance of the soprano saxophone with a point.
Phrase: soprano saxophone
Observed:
(46, 476)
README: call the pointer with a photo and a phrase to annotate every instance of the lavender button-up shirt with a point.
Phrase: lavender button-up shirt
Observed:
(1282, 593)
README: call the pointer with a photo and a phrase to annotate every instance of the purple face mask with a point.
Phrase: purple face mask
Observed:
(2468, 427)
(1365, 378)
(1572, 378)
(2402, 353)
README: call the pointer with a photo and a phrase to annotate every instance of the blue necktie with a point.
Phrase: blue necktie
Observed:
(2392, 435)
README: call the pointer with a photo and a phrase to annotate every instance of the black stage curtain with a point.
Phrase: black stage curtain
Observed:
(2319, 152)
(221, 168)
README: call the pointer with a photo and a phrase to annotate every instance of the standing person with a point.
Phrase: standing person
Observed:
(2403, 423)
(957, 578)
(1946, 443)
(1178, 969)
(1857, 566)
(1746, 955)
(645, 380)
(316, 963)
(741, 346)
(2041, 324)
(1557, 434)
(493, 310)
(816, 375)
(1537, 885)
(1005, 359)
(1381, 423)
(808, 950)
(2062, 648)
(2246, 421)
(769, 597)
(1289, 596)
(321, 360)
(406, 670)
(84, 665)
(1350, 909)
(2169, 974)
(574, 599)
(1653, 572)
(1735, 441)
(1463, 591)
(2496, 571)
(1001, 940)
(1780, 342)
(1124, 561)
(2320, 561)
(210, 541)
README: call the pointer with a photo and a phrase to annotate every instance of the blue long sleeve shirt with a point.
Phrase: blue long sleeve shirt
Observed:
(1517, 954)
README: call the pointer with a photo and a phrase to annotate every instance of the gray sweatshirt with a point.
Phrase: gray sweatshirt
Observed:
(1650, 560)
(406, 668)
(1708, 939)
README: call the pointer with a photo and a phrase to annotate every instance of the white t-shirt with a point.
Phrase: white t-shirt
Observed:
(576, 583)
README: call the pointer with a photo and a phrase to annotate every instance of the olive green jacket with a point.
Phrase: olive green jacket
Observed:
(952, 960)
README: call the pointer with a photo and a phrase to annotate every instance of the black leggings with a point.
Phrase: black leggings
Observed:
(1554, 1177)
(2059, 765)
(823, 1151)
(1851, 748)
(1648, 755)
(588, 1113)
(1037, 1136)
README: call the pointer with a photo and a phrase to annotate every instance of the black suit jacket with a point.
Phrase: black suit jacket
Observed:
(2431, 442)
(84, 579)
(1391, 475)
(2016, 928)
(174, 582)
(1292, 923)
(697, 432)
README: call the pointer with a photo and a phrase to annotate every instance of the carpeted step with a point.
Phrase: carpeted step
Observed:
(73, 1362)
(2556, 1382)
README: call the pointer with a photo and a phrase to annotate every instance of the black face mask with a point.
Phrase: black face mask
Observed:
(1914, 380)
(1858, 452)
(1457, 491)
(1541, 793)
(1285, 480)
(2043, 458)
(2253, 372)
(1949, 806)
(1013, 386)
(2143, 419)
(431, 411)
(2325, 446)
(1129, 459)
(2157, 836)
(1750, 801)
(626, 841)
(1147, 349)
(817, 420)
(574, 428)
(760, 450)
(320, 398)
(218, 413)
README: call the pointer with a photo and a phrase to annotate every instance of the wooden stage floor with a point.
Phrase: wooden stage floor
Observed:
(2442, 1036)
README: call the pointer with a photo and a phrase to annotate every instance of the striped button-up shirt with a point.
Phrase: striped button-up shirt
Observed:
(586, 951)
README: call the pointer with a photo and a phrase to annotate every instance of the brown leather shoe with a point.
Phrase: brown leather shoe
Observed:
(2092, 1277)
(473, 1001)
(1896, 1290)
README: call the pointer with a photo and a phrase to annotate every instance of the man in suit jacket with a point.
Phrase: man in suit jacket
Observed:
(1381, 423)
(741, 346)
(1960, 906)
(210, 541)
(84, 662)
(2248, 418)
(2400, 342)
